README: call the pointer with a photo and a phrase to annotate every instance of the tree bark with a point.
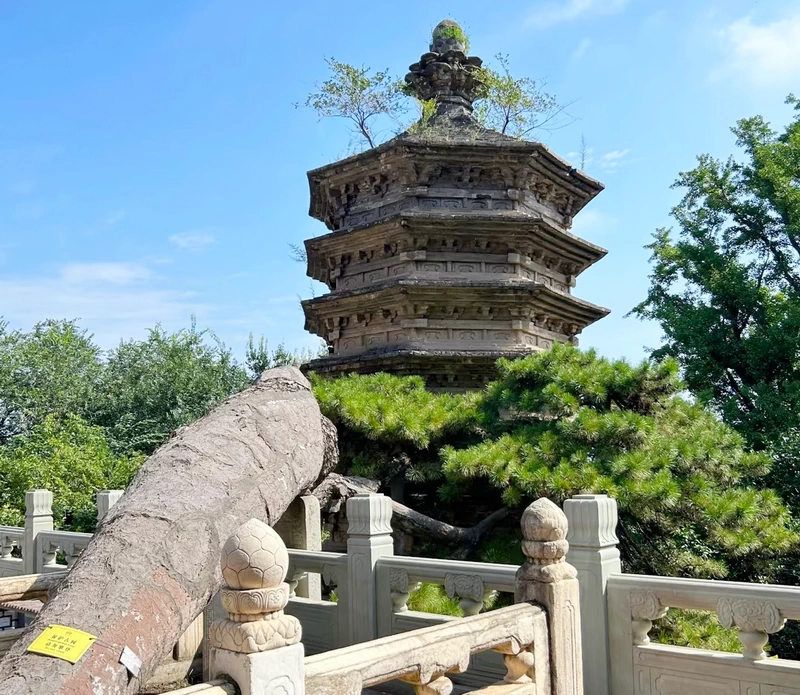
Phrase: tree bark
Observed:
(153, 564)
(334, 491)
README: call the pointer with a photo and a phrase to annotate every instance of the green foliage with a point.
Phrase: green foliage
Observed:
(259, 358)
(451, 31)
(71, 458)
(53, 369)
(564, 422)
(431, 598)
(390, 424)
(151, 387)
(359, 95)
(726, 290)
(515, 105)
(695, 629)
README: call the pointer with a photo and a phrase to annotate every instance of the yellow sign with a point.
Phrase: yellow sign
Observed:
(62, 642)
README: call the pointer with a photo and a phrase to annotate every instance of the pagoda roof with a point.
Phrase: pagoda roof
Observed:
(472, 146)
(495, 294)
(520, 230)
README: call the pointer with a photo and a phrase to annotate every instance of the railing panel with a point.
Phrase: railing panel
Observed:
(50, 543)
(756, 610)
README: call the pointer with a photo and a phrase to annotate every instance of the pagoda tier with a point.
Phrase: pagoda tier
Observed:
(462, 244)
(447, 248)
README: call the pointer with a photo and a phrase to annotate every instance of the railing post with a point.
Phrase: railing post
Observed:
(594, 554)
(258, 645)
(301, 527)
(546, 578)
(105, 500)
(369, 537)
(38, 518)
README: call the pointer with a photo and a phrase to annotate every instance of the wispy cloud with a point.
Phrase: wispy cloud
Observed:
(610, 161)
(613, 160)
(551, 13)
(103, 273)
(113, 218)
(581, 49)
(22, 187)
(113, 300)
(761, 54)
(192, 240)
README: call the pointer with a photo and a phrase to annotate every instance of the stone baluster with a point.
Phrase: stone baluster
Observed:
(593, 552)
(755, 619)
(258, 645)
(645, 608)
(469, 590)
(546, 578)
(105, 500)
(369, 537)
(38, 518)
(6, 546)
(401, 589)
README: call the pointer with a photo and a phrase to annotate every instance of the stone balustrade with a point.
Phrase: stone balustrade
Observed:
(424, 657)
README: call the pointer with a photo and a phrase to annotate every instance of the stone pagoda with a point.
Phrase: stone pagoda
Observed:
(448, 247)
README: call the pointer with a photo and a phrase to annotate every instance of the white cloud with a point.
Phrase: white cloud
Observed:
(552, 13)
(112, 300)
(113, 218)
(104, 273)
(581, 49)
(192, 240)
(613, 160)
(761, 54)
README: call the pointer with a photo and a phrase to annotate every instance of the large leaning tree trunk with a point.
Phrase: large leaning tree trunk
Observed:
(153, 564)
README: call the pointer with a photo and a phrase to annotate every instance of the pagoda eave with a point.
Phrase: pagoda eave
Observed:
(381, 245)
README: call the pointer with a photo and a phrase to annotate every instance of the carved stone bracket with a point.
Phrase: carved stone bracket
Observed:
(469, 589)
(330, 575)
(429, 677)
(645, 608)
(401, 589)
(755, 620)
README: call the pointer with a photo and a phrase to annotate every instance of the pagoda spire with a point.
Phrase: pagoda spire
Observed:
(447, 75)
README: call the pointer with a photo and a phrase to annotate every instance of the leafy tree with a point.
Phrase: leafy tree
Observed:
(515, 105)
(55, 368)
(152, 387)
(358, 95)
(71, 458)
(563, 422)
(726, 290)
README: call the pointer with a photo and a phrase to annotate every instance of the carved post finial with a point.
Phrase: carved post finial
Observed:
(254, 565)
(547, 579)
(544, 530)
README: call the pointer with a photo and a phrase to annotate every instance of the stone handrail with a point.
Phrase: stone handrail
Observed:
(424, 657)
(756, 610)
(470, 582)
(50, 543)
(11, 537)
(29, 586)
(218, 687)
(332, 567)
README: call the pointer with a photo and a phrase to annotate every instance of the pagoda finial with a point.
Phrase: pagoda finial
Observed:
(447, 75)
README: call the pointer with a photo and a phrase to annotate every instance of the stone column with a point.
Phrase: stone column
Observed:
(105, 500)
(38, 518)
(594, 554)
(546, 578)
(369, 536)
(258, 645)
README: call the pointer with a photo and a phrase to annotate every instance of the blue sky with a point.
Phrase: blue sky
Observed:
(152, 164)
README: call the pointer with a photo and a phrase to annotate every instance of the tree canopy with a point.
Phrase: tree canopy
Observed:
(76, 420)
(726, 289)
(564, 422)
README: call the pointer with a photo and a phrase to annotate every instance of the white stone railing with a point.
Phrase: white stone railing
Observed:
(423, 657)
(254, 634)
(37, 544)
(618, 611)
